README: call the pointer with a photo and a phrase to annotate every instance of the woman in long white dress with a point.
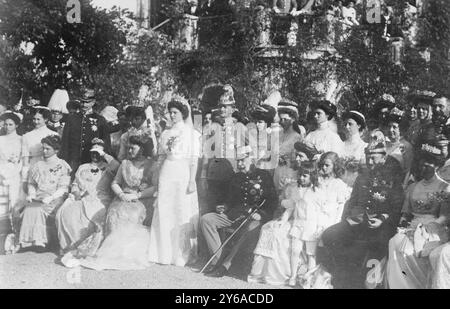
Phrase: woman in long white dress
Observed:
(48, 182)
(85, 209)
(175, 219)
(10, 163)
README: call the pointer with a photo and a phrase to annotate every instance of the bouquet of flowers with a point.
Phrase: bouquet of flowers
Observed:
(171, 142)
(283, 160)
(14, 159)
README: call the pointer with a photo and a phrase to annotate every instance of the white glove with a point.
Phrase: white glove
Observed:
(47, 200)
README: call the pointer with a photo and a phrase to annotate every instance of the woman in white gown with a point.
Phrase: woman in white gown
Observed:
(173, 235)
(91, 193)
(10, 163)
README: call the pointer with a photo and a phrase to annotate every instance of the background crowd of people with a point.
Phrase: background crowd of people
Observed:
(307, 201)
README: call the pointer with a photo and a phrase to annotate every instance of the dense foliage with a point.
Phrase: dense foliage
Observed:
(110, 52)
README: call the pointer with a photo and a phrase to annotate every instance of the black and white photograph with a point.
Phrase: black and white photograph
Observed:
(254, 146)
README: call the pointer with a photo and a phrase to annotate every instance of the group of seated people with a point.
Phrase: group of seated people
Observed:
(299, 201)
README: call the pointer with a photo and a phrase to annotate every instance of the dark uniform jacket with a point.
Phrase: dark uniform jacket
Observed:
(377, 192)
(247, 190)
(78, 133)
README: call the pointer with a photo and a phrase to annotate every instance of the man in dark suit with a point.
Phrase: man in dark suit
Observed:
(80, 130)
(247, 189)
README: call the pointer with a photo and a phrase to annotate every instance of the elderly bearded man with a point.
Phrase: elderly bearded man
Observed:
(242, 196)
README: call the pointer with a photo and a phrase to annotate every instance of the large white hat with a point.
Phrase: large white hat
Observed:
(58, 101)
(109, 113)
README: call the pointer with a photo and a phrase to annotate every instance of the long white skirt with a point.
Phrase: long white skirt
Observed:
(271, 263)
(173, 234)
(404, 269)
(440, 263)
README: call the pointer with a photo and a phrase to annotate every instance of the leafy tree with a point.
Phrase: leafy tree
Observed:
(61, 54)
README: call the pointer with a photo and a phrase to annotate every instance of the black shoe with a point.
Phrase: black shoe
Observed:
(23, 250)
(218, 273)
(198, 268)
(210, 269)
(40, 249)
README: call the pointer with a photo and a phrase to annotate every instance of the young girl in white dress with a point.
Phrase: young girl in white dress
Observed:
(305, 220)
(334, 192)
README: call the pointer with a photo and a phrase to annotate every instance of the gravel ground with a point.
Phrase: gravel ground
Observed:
(32, 270)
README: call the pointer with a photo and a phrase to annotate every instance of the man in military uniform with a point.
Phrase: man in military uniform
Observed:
(219, 150)
(58, 108)
(247, 189)
(80, 130)
(372, 212)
